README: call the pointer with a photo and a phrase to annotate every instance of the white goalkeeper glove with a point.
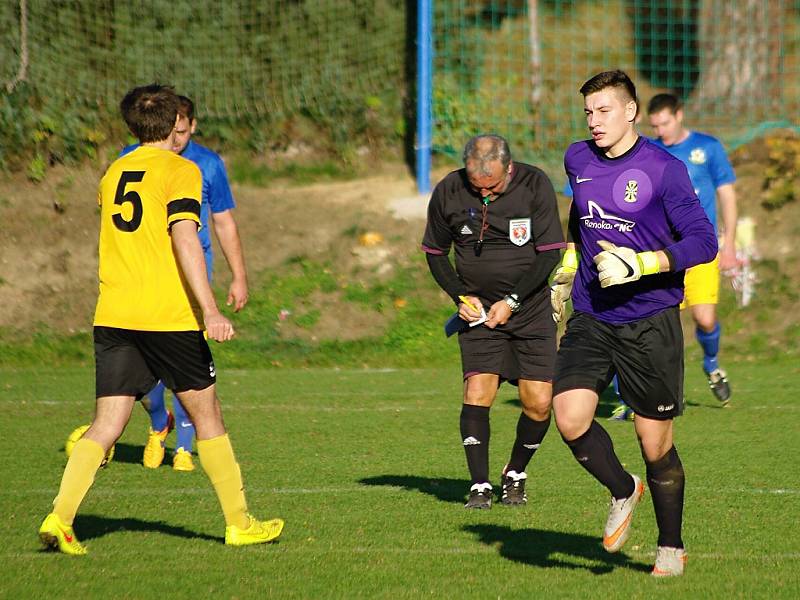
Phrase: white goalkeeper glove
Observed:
(617, 264)
(561, 289)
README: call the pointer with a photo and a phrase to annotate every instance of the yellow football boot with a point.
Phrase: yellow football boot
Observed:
(154, 449)
(258, 532)
(57, 536)
(182, 460)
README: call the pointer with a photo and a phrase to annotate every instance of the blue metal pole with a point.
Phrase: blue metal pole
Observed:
(424, 61)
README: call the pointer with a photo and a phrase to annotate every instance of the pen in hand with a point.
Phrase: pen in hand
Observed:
(469, 304)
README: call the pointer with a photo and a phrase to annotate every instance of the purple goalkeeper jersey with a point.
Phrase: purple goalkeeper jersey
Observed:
(642, 200)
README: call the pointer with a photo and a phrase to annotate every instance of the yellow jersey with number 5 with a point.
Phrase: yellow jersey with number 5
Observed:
(141, 285)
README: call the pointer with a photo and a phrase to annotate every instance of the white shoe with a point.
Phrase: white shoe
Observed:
(618, 525)
(670, 562)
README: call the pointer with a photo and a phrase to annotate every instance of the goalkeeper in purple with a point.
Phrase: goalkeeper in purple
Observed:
(636, 225)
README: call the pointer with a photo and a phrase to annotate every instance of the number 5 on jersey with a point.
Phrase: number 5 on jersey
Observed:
(122, 197)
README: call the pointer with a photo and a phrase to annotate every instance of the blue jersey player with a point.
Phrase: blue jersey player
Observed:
(635, 227)
(712, 177)
(218, 204)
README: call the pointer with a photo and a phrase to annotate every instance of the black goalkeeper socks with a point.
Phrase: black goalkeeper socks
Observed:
(595, 452)
(666, 481)
(530, 434)
(475, 438)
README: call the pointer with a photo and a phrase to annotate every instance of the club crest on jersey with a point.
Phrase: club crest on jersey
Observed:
(631, 190)
(697, 156)
(519, 231)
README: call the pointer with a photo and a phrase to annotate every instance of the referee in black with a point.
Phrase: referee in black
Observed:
(502, 219)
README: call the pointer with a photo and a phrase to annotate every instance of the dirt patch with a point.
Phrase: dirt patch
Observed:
(48, 243)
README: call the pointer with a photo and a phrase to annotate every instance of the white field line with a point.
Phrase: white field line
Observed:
(411, 406)
(450, 402)
(100, 490)
(477, 549)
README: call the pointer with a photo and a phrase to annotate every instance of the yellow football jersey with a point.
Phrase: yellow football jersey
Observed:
(141, 286)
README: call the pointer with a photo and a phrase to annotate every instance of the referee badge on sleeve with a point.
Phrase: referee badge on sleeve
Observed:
(519, 231)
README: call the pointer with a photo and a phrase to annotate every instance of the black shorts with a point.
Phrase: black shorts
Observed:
(525, 351)
(130, 362)
(646, 356)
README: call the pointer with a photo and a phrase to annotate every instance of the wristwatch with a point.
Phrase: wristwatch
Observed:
(513, 302)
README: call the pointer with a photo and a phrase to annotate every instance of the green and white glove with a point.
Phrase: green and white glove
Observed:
(617, 264)
(561, 289)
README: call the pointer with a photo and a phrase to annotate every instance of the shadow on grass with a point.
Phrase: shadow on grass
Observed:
(128, 453)
(445, 489)
(552, 549)
(92, 526)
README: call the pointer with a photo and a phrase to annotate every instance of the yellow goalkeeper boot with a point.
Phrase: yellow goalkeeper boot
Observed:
(57, 536)
(257, 532)
(154, 449)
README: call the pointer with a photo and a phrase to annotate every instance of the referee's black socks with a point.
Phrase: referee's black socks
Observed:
(594, 450)
(530, 434)
(475, 438)
(666, 481)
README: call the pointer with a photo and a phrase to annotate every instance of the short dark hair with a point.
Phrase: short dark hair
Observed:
(186, 107)
(611, 79)
(486, 148)
(661, 102)
(150, 111)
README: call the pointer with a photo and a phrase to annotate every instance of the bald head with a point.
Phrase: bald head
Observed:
(483, 152)
(487, 161)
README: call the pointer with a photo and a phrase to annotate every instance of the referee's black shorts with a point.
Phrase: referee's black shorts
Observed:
(646, 356)
(130, 362)
(524, 348)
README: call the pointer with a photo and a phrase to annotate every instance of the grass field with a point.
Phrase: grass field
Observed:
(367, 469)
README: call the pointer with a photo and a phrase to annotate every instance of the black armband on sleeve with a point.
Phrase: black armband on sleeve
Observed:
(670, 259)
(537, 275)
(446, 276)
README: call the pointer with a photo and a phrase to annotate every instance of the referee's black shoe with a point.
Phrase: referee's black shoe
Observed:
(513, 488)
(480, 496)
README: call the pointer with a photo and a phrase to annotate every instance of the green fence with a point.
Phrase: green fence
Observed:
(510, 66)
(235, 58)
(335, 63)
(515, 66)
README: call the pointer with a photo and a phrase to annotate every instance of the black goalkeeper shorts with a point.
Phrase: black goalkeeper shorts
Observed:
(646, 356)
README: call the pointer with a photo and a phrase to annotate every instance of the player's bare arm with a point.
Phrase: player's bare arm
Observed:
(190, 258)
(228, 235)
(727, 204)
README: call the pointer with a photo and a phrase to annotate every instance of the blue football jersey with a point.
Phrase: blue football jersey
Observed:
(708, 167)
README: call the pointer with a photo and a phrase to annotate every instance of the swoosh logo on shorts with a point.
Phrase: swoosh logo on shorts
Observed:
(582, 179)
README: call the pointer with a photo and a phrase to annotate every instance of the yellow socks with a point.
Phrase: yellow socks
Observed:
(216, 457)
(78, 478)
